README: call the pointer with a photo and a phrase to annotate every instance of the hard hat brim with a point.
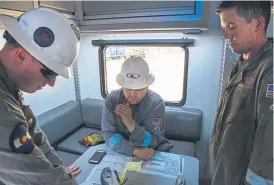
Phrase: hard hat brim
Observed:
(11, 24)
(145, 84)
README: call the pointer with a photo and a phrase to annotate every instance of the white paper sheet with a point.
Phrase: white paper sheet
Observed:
(164, 164)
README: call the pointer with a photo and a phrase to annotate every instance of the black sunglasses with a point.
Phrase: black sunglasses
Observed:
(47, 73)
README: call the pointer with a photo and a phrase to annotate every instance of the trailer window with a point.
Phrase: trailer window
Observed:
(168, 64)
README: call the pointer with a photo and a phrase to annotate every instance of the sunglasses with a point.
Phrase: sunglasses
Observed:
(47, 73)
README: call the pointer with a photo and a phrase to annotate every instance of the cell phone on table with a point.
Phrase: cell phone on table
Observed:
(97, 157)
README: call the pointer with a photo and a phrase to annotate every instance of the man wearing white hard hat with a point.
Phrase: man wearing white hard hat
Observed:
(41, 44)
(133, 116)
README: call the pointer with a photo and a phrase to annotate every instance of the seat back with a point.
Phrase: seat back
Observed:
(183, 124)
(60, 121)
(92, 112)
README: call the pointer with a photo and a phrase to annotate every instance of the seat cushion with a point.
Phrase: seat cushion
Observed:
(183, 148)
(71, 144)
(67, 158)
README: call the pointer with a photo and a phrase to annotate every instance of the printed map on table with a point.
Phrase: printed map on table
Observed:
(164, 164)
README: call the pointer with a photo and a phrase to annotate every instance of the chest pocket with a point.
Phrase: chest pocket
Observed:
(139, 118)
(243, 101)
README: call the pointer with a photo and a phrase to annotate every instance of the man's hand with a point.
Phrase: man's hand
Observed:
(73, 170)
(124, 111)
(144, 153)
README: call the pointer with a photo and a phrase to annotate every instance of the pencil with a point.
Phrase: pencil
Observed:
(117, 176)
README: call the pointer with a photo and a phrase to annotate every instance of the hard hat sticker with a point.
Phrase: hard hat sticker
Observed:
(43, 36)
(133, 75)
(77, 33)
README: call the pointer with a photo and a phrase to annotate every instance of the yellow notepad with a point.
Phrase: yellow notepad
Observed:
(134, 166)
(131, 166)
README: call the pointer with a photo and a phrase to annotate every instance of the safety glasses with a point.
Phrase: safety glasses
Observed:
(47, 73)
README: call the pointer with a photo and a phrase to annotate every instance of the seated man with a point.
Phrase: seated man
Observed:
(133, 117)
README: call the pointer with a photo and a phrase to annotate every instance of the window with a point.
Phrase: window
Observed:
(167, 63)
(167, 59)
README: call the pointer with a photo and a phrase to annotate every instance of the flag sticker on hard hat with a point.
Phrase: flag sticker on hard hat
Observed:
(133, 75)
(20, 140)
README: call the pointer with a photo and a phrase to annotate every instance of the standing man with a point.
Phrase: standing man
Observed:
(41, 44)
(133, 116)
(241, 147)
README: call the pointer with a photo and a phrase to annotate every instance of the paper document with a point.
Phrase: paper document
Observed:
(134, 166)
(163, 164)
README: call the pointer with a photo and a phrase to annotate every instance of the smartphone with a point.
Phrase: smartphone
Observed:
(97, 156)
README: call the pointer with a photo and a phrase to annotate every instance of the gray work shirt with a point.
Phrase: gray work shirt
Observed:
(26, 157)
(149, 116)
(241, 146)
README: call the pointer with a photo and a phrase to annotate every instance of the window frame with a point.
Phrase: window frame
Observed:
(148, 43)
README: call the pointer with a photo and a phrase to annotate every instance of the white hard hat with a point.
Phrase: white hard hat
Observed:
(135, 74)
(48, 36)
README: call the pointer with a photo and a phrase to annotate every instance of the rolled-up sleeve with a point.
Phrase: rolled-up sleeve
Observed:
(260, 167)
(113, 138)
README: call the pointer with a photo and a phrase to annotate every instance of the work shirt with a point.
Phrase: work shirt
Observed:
(241, 146)
(149, 116)
(26, 157)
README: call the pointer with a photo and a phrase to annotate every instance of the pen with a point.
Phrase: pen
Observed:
(180, 178)
(117, 176)
(181, 170)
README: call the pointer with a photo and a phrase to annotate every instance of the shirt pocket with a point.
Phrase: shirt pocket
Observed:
(242, 105)
(139, 119)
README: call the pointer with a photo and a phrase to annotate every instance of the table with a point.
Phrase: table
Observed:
(191, 165)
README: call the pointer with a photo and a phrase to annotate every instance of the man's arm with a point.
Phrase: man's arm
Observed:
(42, 142)
(39, 137)
(21, 161)
(260, 167)
(110, 132)
(151, 133)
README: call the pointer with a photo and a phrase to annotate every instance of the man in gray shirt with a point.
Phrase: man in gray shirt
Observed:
(41, 44)
(133, 117)
(241, 145)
